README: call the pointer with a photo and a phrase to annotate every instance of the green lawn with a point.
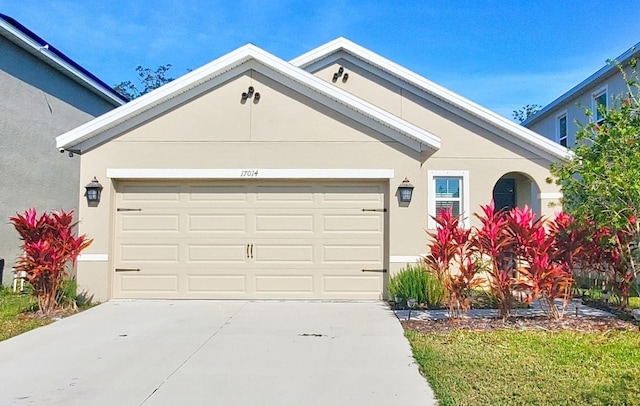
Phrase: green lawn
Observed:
(530, 367)
(11, 306)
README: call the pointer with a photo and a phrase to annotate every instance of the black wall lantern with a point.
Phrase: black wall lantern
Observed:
(405, 190)
(93, 191)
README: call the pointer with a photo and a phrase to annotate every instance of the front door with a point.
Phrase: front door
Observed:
(504, 194)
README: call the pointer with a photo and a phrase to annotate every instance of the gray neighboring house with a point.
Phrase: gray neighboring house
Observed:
(557, 120)
(44, 93)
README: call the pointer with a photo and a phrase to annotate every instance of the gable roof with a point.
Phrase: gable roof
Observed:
(41, 49)
(411, 81)
(112, 123)
(606, 71)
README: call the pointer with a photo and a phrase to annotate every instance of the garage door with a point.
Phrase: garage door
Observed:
(249, 240)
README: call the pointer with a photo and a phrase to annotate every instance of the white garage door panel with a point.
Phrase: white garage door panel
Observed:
(217, 223)
(148, 284)
(283, 253)
(283, 223)
(351, 285)
(283, 286)
(349, 223)
(131, 253)
(217, 284)
(142, 193)
(352, 252)
(216, 253)
(255, 240)
(150, 223)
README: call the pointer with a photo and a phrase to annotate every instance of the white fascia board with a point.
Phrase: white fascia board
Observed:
(153, 98)
(407, 77)
(249, 173)
(345, 103)
(44, 54)
(116, 127)
(411, 135)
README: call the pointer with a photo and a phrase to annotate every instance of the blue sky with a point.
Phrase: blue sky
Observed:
(501, 54)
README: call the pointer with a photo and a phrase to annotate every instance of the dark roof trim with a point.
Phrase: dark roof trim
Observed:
(37, 39)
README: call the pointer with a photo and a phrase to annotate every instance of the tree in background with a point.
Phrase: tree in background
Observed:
(601, 181)
(525, 112)
(148, 78)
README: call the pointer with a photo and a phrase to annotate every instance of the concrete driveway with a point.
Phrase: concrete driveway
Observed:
(215, 352)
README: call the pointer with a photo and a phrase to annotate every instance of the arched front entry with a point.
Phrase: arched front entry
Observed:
(516, 189)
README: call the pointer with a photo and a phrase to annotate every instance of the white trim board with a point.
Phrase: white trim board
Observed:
(411, 81)
(431, 193)
(550, 195)
(405, 259)
(250, 173)
(93, 258)
(251, 57)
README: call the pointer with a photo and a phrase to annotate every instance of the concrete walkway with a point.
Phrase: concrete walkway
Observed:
(215, 352)
(575, 308)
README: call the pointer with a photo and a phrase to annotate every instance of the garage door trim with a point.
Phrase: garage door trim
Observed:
(249, 173)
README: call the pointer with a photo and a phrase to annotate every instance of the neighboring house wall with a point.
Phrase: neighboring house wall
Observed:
(574, 109)
(570, 108)
(37, 103)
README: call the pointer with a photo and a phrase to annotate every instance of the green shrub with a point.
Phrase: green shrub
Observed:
(417, 282)
(67, 294)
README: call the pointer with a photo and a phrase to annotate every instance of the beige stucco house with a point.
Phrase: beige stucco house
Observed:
(561, 119)
(253, 177)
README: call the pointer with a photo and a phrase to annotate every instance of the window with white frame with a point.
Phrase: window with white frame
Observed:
(448, 189)
(561, 129)
(599, 99)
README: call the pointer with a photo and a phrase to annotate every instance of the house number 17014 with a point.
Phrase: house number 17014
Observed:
(250, 173)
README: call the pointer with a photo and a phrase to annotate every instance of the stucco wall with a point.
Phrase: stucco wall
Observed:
(286, 130)
(465, 144)
(37, 103)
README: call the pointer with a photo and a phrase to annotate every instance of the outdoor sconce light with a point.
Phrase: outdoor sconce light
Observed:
(411, 302)
(93, 191)
(256, 97)
(405, 190)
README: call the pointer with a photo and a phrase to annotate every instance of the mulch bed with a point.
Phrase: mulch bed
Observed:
(58, 314)
(539, 323)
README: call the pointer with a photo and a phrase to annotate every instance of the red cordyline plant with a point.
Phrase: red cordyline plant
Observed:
(528, 256)
(48, 247)
(545, 257)
(496, 245)
(451, 248)
(613, 255)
